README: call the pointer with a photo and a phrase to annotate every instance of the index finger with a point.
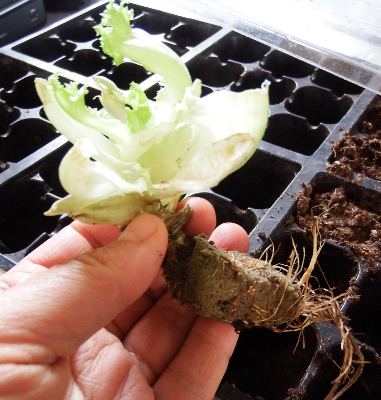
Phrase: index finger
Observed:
(72, 241)
(79, 238)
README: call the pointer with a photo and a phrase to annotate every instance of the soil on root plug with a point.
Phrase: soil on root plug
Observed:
(360, 154)
(230, 287)
(352, 223)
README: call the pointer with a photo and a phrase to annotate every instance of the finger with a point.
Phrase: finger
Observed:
(64, 305)
(231, 237)
(123, 322)
(75, 239)
(78, 238)
(204, 217)
(103, 369)
(203, 221)
(70, 242)
(156, 339)
(199, 366)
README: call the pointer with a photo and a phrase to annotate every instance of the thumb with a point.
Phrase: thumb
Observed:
(63, 306)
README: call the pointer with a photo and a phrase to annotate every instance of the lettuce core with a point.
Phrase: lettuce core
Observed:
(136, 151)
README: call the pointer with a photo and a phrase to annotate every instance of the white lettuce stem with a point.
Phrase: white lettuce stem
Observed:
(136, 153)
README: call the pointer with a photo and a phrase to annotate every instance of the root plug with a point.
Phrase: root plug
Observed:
(235, 288)
(230, 287)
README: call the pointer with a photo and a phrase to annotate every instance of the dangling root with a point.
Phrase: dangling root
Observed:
(315, 253)
(348, 373)
(234, 288)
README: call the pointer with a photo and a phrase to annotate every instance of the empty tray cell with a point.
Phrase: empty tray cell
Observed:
(79, 30)
(25, 137)
(23, 94)
(190, 34)
(338, 85)
(213, 72)
(294, 133)
(318, 105)
(281, 64)
(46, 49)
(279, 90)
(265, 364)
(349, 215)
(11, 71)
(260, 182)
(336, 265)
(86, 62)
(123, 74)
(365, 315)
(49, 171)
(7, 116)
(22, 217)
(155, 24)
(240, 48)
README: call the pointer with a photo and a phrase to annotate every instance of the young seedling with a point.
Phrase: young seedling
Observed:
(139, 155)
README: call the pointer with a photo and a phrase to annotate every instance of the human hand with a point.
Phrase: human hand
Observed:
(87, 316)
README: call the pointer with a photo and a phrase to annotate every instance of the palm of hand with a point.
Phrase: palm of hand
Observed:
(56, 338)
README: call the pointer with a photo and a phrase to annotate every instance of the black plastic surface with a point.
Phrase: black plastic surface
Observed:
(309, 110)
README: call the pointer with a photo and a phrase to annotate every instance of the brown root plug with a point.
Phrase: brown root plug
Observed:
(230, 287)
(235, 288)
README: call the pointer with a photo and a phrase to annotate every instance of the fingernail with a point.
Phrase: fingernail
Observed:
(140, 228)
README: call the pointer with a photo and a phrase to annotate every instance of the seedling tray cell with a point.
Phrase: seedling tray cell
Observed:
(318, 122)
(263, 185)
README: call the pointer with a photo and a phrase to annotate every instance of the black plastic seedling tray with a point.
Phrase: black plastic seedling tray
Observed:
(310, 109)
